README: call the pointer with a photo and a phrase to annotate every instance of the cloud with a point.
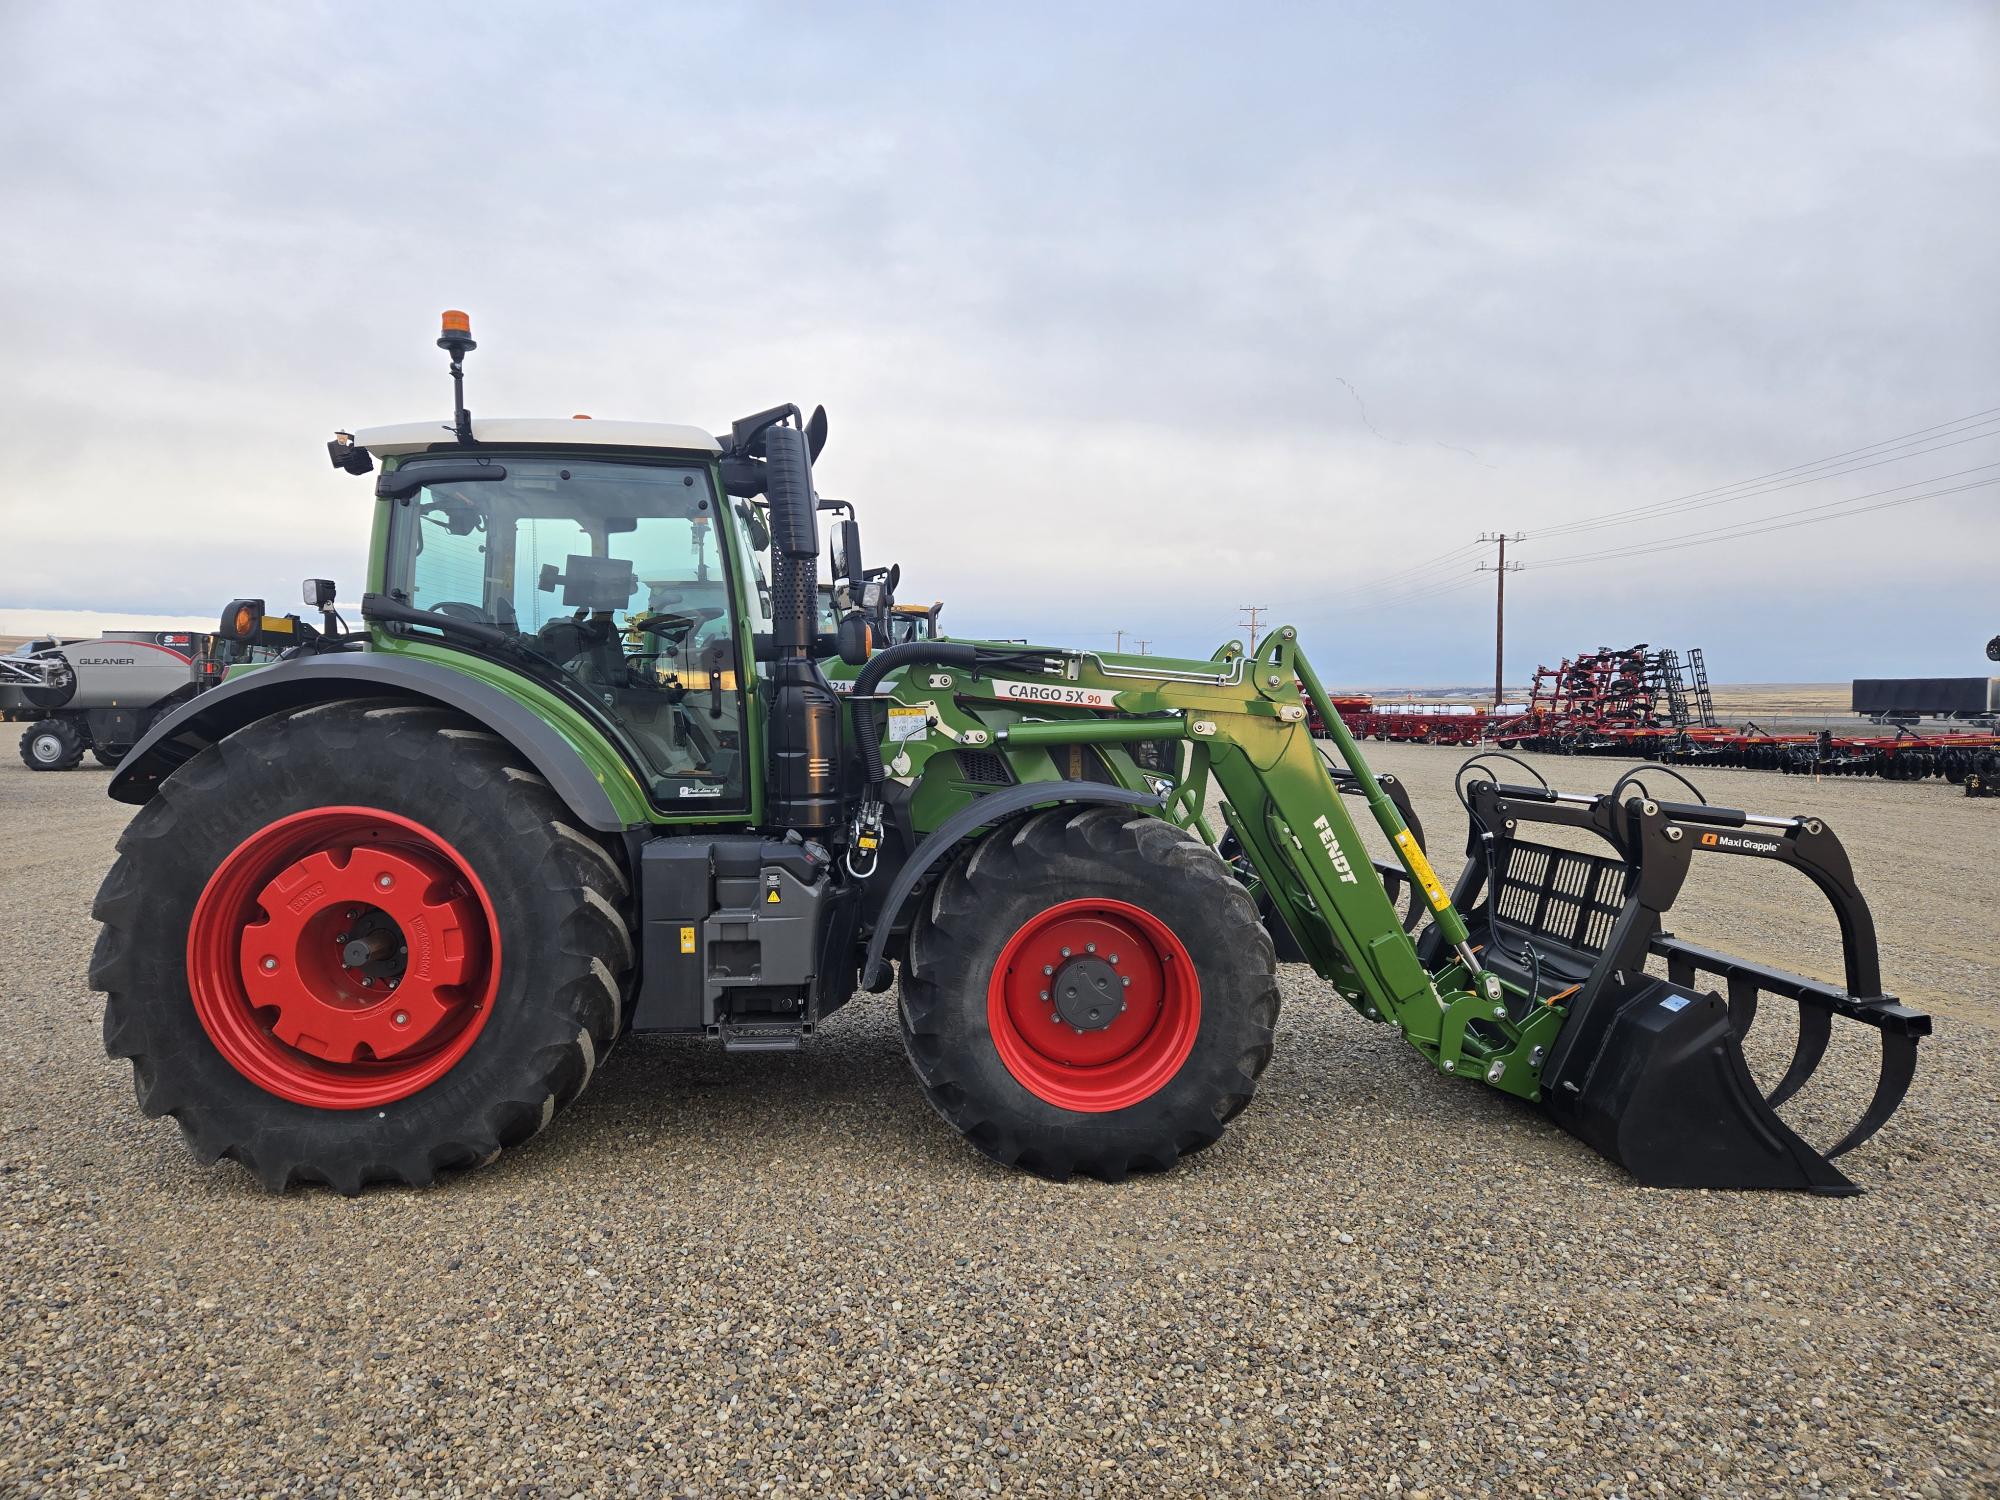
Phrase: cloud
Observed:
(1081, 301)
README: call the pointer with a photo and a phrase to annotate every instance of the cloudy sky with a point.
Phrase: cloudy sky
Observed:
(1126, 317)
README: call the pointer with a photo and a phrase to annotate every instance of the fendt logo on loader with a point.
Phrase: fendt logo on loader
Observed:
(1333, 850)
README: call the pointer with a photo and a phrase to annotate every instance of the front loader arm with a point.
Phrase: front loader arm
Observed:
(1249, 731)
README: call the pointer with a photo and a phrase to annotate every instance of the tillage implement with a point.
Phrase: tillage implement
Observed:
(592, 762)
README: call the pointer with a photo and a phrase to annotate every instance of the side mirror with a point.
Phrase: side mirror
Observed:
(847, 551)
(346, 456)
(855, 640)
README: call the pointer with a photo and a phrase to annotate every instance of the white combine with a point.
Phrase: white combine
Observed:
(96, 695)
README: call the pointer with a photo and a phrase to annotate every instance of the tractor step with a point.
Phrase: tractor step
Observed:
(762, 1036)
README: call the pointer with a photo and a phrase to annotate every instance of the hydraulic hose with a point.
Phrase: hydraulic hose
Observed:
(910, 654)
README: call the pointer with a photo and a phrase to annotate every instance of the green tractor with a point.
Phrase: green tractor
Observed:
(581, 771)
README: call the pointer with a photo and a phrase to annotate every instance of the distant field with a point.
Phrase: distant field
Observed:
(1732, 699)
(1735, 698)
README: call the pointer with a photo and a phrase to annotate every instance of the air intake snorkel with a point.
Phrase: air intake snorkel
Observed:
(805, 791)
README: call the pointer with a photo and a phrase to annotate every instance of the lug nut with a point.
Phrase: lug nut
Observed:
(1065, 953)
(1113, 959)
(385, 880)
(1090, 947)
(270, 964)
(366, 982)
(1126, 981)
(1045, 994)
(402, 1018)
(1048, 969)
(341, 940)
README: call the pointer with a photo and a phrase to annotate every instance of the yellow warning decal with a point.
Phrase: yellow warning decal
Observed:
(771, 898)
(1414, 861)
(687, 940)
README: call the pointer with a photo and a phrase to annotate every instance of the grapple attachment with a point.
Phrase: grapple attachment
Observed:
(1648, 1067)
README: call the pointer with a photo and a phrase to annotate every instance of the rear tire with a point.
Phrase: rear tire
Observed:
(1063, 1092)
(51, 745)
(510, 1034)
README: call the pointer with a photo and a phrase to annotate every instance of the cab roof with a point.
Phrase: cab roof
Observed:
(417, 437)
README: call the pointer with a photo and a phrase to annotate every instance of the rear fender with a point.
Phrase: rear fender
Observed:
(287, 685)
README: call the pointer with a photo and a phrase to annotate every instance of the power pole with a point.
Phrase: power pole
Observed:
(1500, 570)
(1142, 647)
(1119, 641)
(1253, 611)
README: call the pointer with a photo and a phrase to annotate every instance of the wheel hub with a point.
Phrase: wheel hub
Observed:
(1093, 1004)
(1088, 993)
(343, 957)
(348, 996)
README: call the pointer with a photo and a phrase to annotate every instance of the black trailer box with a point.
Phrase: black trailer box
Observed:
(1960, 696)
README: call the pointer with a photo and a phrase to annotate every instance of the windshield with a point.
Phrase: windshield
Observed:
(611, 575)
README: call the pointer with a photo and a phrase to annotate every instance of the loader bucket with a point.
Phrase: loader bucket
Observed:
(1648, 1067)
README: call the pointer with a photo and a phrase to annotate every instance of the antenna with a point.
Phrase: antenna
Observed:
(456, 340)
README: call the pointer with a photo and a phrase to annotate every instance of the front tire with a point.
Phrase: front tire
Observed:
(359, 943)
(1089, 991)
(51, 745)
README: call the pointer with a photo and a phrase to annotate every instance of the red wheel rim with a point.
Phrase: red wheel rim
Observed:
(1053, 1023)
(344, 957)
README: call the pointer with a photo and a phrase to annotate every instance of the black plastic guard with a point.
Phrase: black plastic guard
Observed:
(1668, 1096)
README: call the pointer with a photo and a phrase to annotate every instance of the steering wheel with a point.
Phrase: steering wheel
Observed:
(453, 609)
(680, 625)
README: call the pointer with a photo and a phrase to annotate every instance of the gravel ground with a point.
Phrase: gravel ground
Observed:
(748, 1275)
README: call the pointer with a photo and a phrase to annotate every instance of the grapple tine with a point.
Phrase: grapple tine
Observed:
(1742, 1005)
(1815, 1027)
(1651, 1070)
(1899, 1066)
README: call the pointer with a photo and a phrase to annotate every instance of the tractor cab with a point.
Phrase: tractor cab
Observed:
(600, 560)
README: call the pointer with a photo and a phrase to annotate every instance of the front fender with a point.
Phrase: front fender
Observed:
(303, 681)
(986, 810)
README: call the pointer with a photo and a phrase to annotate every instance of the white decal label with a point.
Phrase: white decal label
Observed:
(1333, 850)
(700, 791)
(909, 724)
(1055, 692)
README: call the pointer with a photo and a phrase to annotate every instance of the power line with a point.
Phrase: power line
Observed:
(1424, 574)
(1745, 489)
(1759, 528)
